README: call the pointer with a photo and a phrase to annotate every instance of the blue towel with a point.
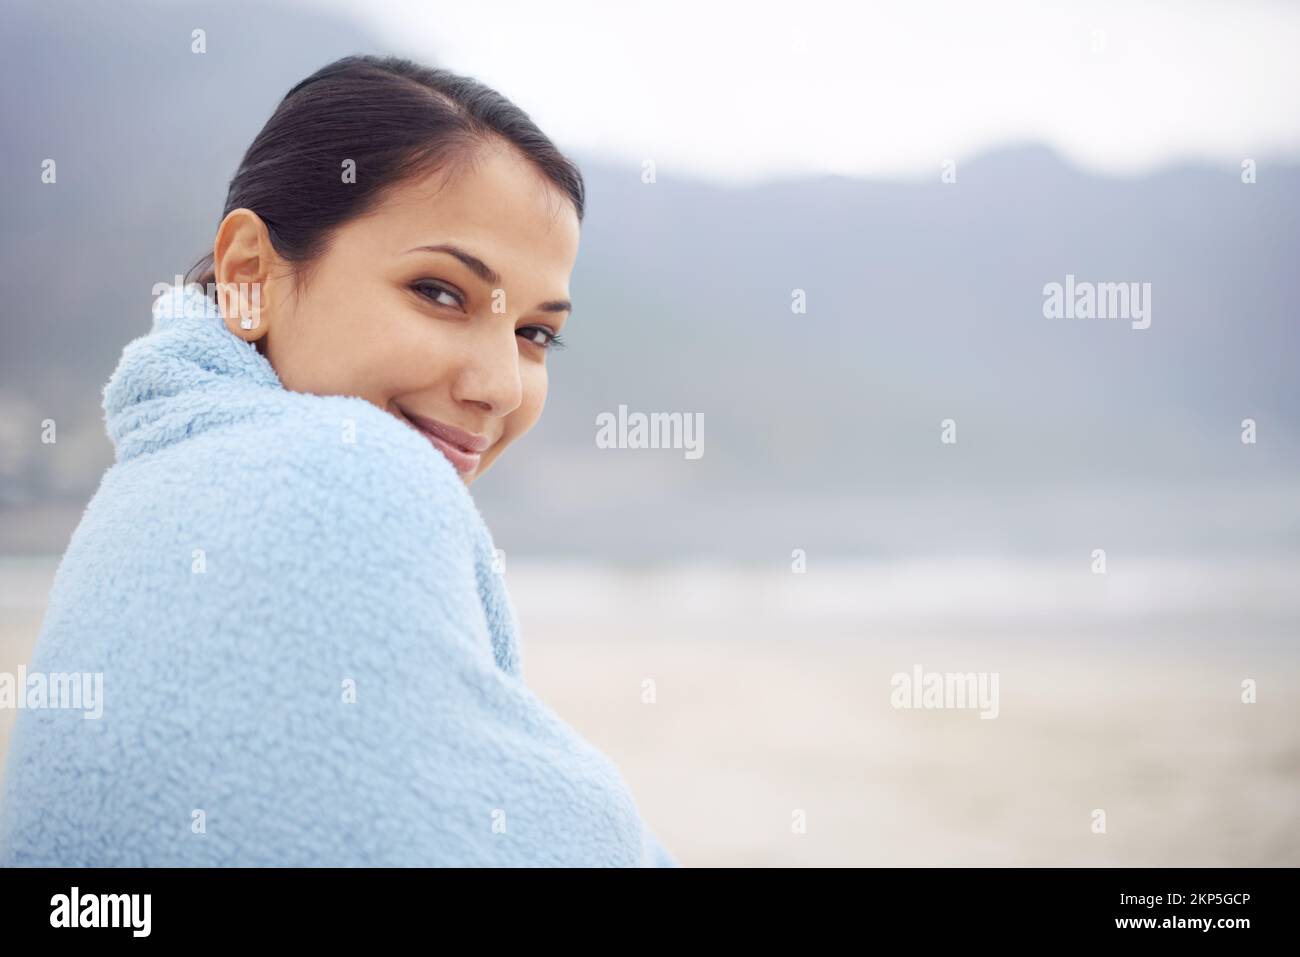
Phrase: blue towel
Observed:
(307, 657)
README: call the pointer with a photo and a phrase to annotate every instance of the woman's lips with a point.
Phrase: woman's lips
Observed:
(463, 449)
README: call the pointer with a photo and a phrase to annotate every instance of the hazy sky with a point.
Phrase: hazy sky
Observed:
(741, 91)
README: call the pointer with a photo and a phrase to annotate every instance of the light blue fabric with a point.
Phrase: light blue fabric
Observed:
(253, 560)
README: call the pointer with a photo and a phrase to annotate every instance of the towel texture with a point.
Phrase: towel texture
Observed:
(307, 656)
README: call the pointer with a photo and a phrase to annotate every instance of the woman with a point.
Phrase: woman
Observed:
(291, 603)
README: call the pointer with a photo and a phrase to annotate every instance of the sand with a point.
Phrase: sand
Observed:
(752, 715)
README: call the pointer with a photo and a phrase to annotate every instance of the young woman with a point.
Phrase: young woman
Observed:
(282, 596)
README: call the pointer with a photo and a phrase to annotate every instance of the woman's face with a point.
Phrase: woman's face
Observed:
(438, 307)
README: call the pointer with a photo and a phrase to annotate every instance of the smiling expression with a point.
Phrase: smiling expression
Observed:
(439, 306)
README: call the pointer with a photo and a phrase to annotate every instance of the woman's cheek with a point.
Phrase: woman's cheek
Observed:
(522, 419)
(534, 389)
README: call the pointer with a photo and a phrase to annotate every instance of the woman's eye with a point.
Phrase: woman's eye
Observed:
(432, 290)
(541, 336)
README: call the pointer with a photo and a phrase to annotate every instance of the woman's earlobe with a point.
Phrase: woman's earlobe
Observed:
(243, 309)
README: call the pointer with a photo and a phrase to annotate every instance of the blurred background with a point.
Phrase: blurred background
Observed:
(920, 171)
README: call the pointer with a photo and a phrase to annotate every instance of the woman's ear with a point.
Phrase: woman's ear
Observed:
(242, 256)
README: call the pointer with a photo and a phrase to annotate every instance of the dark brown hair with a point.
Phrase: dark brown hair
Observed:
(394, 119)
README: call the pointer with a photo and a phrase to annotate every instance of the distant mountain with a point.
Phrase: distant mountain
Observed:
(821, 430)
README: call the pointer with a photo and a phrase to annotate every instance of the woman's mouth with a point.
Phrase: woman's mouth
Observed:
(464, 450)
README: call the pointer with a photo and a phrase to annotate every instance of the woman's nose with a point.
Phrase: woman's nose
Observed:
(489, 377)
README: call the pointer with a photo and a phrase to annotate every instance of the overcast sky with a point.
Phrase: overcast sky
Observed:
(744, 91)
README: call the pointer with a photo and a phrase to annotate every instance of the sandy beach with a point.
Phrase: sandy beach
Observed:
(751, 711)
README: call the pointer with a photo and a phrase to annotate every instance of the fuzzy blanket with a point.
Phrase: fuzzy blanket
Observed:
(302, 651)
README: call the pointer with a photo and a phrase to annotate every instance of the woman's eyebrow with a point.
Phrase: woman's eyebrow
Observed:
(485, 272)
(475, 265)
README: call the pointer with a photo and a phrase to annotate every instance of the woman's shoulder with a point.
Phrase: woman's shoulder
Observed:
(355, 466)
(355, 440)
(294, 477)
